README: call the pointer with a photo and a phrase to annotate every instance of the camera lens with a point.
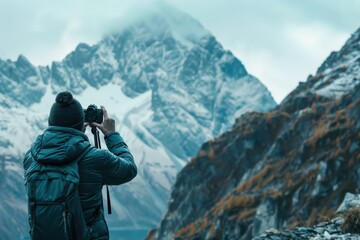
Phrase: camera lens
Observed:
(90, 114)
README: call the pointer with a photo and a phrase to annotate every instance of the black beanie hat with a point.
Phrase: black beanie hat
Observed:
(66, 112)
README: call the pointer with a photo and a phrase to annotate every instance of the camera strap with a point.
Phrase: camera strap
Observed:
(95, 132)
(108, 199)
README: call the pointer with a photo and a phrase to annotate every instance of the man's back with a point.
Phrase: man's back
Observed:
(52, 179)
(97, 167)
(63, 143)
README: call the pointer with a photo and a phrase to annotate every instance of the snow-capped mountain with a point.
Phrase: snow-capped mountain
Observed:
(166, 81)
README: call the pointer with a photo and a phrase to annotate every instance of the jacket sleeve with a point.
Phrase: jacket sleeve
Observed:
(119, 166)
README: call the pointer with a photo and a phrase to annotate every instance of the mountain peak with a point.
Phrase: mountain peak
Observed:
(22, 58)
(347, 53)
(184, 27)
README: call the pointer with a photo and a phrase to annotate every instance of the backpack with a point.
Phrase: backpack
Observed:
(54, 203)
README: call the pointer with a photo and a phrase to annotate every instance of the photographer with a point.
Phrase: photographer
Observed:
(62, 167)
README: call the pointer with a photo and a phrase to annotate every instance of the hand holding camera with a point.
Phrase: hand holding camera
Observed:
(99, 118)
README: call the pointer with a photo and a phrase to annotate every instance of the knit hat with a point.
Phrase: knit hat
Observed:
(66, 112)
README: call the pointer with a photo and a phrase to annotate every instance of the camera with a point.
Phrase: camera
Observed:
(93, 114)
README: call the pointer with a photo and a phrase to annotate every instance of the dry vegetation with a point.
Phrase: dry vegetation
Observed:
(352, 221)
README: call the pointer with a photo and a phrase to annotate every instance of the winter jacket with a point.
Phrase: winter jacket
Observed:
(60, 146)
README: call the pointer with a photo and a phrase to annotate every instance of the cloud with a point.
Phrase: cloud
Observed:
(301, 49)
(279, 41)
(313, 39)
(44, 31)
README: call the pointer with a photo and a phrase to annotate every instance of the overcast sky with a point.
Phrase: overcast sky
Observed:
(279, 41)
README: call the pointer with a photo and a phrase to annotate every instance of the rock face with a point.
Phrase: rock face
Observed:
(291, 166)
(350, 201)
(169, 86)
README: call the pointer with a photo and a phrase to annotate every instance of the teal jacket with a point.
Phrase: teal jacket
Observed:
(60, 147)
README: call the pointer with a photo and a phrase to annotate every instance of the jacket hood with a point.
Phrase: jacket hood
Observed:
(59, 145)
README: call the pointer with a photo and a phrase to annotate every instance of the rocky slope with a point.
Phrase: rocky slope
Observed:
(165, 79)
(291, 166)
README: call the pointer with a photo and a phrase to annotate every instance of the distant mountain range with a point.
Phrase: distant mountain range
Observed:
(286, 167)
(167, 81)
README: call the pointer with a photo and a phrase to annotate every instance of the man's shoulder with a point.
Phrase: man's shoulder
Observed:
(95, 154)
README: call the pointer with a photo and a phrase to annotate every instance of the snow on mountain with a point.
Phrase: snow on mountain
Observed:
(337, 75)
(166, 81)
(340, 70)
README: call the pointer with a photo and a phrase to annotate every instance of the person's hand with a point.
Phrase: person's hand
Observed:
(108, 125)
(85, 126)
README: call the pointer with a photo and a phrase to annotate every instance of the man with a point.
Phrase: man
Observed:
(59, 148)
